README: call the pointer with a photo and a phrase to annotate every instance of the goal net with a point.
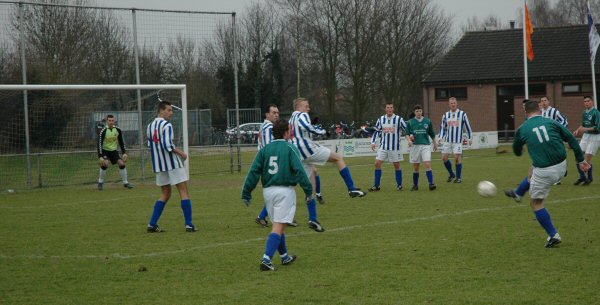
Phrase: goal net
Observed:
(53, 140)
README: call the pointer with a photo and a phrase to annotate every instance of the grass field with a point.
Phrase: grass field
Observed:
(75, 245)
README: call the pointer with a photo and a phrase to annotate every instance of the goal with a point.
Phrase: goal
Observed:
(50, 132)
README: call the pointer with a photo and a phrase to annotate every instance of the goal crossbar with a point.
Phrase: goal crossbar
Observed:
(181, 87)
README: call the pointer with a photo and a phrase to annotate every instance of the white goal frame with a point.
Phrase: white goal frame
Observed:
(180, 87)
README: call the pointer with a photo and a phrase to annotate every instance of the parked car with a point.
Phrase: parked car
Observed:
(248, 133)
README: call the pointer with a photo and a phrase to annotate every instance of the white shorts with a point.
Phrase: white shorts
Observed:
(389, 155)
(172, 177)
(452, 148)
(320, 157)
(543, 178)
(589, 143)
(420, 153)
(280, 202)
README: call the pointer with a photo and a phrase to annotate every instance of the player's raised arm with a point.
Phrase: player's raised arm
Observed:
(304, 121)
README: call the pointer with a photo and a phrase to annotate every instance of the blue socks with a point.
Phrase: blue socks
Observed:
(345, 173)
(263, 214)
(317, 184)
(282, 249)
(448, 166)
(159, 206)
(378, 173)
(459, 170)
(416, 178)
(523, 187)
(186, 207)
(272, 245)
(429, 174)
(589, 173)
(312, 210)
(581, 174)
(399, 177)
(543, 217)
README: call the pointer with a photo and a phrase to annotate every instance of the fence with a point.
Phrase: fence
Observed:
(45, 43)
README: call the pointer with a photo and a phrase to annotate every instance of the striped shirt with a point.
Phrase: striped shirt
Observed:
(454, 124)
(265, 135)
(300, 133)
(160, 141)
(553, 114)
(388, 129)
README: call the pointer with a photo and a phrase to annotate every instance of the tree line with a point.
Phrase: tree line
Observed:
(347, 56)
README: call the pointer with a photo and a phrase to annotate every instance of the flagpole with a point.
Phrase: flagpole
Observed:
(594, 83)
(525, 50)
(592, 60)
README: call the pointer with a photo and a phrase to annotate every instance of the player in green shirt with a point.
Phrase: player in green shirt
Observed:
(278, 165)
(590, 137)
(419, 130)
(544, 138)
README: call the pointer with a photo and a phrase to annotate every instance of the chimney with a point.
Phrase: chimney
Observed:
(512, 24)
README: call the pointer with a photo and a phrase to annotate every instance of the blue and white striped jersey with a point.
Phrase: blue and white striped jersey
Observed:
(553, 114)
(265, 135)
(300, 133)
(454, 124)
(389, 130)
(160, 141)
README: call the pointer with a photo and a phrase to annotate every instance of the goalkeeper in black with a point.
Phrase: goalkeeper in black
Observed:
(109, 139)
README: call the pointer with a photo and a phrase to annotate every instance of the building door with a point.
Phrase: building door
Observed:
(505, 110)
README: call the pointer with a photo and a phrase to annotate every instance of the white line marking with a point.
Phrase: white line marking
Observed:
(239, 242)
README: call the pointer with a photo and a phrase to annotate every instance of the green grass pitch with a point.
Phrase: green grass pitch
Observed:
(76, 245)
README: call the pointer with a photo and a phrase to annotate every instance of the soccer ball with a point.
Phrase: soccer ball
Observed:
(486, 189)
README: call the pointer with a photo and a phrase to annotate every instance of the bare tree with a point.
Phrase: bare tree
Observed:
(323, 26)
(362, 22)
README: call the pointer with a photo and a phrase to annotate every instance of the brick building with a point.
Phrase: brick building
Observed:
(484, 71)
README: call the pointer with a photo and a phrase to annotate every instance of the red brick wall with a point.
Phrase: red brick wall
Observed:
(481, 105)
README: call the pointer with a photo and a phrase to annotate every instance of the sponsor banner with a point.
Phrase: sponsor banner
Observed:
(362, 147)
(485, 139)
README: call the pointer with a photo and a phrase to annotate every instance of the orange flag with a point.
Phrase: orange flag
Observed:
(529, 32)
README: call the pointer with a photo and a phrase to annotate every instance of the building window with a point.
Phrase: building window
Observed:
(445, 93)
(576, 88)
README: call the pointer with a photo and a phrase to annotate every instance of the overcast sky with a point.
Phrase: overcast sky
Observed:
(459, 9)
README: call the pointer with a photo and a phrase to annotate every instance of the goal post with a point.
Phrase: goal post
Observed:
(91, 102)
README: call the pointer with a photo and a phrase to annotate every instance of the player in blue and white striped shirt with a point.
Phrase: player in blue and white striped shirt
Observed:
(455, 124)
(388, 131)
(314, 154)
(168, 166)
(265, 136)
(551, 112)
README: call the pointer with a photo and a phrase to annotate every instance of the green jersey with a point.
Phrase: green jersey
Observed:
(277, 164)
(422, 130)
(591, 118)
(545, 141)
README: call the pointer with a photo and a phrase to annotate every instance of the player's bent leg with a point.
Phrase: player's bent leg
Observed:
(272, 245)
(543, 217)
